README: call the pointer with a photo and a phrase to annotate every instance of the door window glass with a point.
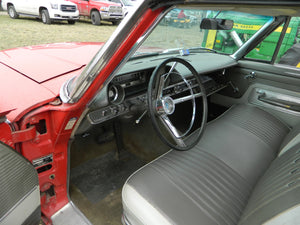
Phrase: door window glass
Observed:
(289, 53)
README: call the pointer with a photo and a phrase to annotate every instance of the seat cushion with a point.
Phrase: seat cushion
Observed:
(212, 182)
(184, 187)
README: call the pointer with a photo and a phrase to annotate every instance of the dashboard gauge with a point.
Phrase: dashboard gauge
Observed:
(115, 94)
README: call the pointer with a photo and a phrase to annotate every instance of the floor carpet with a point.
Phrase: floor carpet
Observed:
(100, 176)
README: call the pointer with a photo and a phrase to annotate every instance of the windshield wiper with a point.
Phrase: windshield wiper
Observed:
(138, 55)
(187, 51)
(171, 50)
(202, 49)
(181, 51)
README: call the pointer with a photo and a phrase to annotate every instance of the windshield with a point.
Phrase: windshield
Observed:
(180, 30)
(127, 3)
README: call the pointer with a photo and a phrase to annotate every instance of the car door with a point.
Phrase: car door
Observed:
(269, 75)
(34, 5)
(19, 189)
(83, 7)
(22, 6)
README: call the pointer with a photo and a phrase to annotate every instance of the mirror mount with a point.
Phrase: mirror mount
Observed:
(216, 24)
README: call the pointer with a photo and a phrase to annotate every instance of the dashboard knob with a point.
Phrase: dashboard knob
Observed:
(104, 113)
(114, 110)
(122, 108)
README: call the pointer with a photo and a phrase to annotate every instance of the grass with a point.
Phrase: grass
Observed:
(30, 31)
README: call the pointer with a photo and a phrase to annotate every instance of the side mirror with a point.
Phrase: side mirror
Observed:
(216, 24)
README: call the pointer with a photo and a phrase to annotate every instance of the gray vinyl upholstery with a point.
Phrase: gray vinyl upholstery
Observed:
(277, 191)
(246, 138)
(177, 182)
(292, 139)
(230, 177)
(19, 189)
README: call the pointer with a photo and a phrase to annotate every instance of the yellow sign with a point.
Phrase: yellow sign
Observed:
(256, 27)
(246, 27)
(211, 39)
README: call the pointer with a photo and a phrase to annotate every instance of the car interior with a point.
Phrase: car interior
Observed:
(190, 138)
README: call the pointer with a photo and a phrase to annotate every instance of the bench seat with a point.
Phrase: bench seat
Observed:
(223, 179)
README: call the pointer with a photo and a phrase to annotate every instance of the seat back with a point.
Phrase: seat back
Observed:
(276, 197)
(292, 139)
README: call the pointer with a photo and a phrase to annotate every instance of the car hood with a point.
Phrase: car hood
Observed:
(32, 76)
(45, 62)
(105, 3)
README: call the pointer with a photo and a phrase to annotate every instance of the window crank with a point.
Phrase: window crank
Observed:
(251, 76)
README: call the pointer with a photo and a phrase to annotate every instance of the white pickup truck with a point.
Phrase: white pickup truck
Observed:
(47, 10)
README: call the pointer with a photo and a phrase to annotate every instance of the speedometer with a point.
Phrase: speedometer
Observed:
(115, 94)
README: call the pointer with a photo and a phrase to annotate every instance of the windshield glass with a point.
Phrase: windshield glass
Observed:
(180, 30)
(128, 3)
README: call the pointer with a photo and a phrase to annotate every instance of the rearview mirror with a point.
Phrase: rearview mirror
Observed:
(216, 24)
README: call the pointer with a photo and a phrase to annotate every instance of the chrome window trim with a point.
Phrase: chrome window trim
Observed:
(85, 79)
(63, 93)
(291, 71)
(134, 48)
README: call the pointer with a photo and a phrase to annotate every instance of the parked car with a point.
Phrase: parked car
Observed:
(153, 128)
(47, 10)
(100, 10)
(127, 5)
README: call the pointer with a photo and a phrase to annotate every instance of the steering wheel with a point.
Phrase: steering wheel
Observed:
(165, 92)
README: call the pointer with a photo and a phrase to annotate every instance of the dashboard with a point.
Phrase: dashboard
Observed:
(126, 93)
